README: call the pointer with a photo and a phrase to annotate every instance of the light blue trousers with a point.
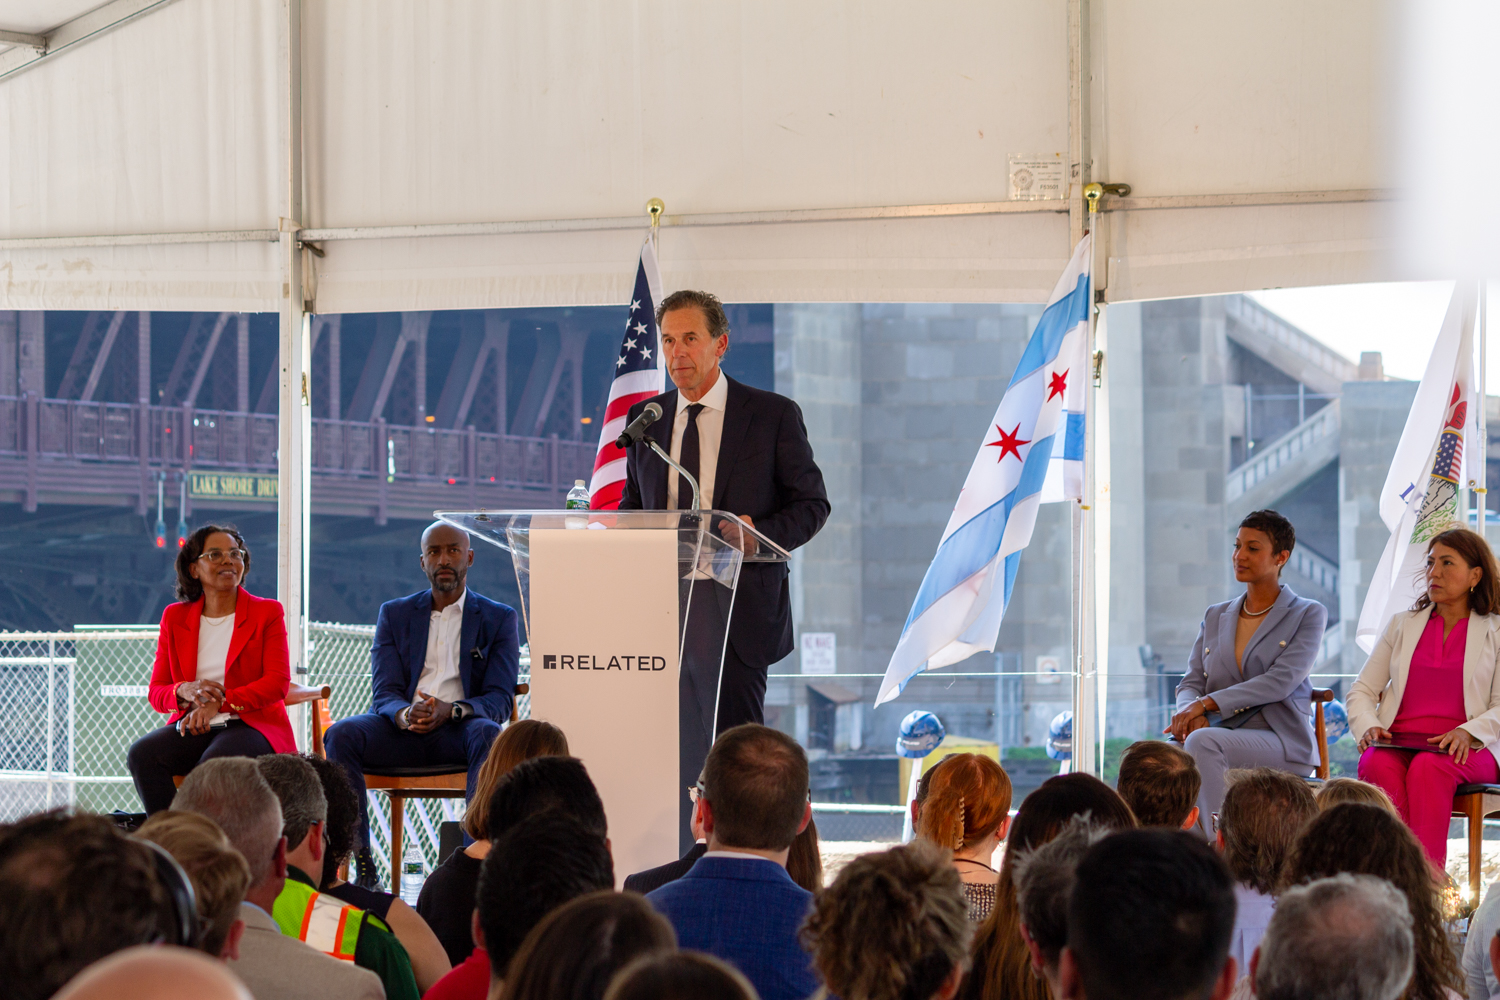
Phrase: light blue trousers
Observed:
(1217, 751)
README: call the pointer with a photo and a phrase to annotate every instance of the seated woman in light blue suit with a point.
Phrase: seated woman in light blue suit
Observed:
(1246, 699)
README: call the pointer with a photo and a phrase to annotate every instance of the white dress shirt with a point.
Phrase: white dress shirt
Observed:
(440, 677)
(710, 431)
(214, 635)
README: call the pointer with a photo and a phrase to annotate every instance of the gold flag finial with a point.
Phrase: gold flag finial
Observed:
(656, 207)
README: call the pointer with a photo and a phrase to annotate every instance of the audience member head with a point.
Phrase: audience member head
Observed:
(967, 804)
(1149, 918)
(1264, 810)
(341, 828)
(893, 926)
(754, 790)
(680, 975)
(1000, 954)
(73, 889)
(559, 783)
(577, 948)
(231, 792)
(219, 874)
(1367, 840)
(1160, 783)
(531, 870)
(1336, 791)
(804, 862)
(523, 740)
(1044, 880)
(1346, 937)
(924, 785)
(304, 809)
(153, 973)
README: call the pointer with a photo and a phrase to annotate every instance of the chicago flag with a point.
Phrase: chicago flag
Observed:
(1031, 453)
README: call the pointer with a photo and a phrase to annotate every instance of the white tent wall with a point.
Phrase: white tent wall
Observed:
(468, 153)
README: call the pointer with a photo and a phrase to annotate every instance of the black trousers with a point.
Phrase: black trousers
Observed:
(738, 692)
(157, 756)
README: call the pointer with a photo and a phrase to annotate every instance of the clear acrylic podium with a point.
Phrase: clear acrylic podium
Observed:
(627, 614)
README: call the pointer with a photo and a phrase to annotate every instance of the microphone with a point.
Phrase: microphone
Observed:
(637, 429)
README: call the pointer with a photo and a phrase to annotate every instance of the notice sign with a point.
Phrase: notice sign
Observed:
(819, 653)
(232, 486)
(1038, 178)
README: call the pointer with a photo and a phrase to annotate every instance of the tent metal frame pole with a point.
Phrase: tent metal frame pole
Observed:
(294, 407)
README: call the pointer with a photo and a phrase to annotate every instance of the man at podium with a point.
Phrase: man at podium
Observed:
(749, 451)
(443, 669)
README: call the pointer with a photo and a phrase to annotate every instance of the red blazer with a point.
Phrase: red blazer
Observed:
(257, 670)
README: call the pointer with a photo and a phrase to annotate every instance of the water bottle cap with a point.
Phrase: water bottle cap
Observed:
(578, 482)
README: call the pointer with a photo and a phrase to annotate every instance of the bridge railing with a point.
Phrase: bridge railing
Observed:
(183, 437)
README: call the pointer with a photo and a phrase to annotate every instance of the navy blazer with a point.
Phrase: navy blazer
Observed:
(489, 655)
(1278, 661)
(765, 470)
(655, 878)
(747, 913)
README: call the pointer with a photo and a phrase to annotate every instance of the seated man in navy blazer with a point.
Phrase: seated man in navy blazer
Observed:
(443, 669)
(737, 902)
(749, 451)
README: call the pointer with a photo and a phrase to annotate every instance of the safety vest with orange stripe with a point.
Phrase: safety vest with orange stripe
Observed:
(321, 921)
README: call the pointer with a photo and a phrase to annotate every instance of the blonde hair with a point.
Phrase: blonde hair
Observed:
(218, 872)
(967, 801)
(521, 741)
(1336, 791)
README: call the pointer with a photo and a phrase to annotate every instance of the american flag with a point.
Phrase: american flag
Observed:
(639, 375)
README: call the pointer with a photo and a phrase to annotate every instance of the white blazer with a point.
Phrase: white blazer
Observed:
(1375, 697)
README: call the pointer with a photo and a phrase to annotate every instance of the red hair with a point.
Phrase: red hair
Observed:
(968, 799)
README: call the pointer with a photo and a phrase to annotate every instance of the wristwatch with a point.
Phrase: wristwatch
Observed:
(461, 711)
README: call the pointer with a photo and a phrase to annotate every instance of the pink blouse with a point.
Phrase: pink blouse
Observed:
(1433, 702)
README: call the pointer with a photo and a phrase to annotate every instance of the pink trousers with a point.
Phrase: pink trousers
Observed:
(1422, 785)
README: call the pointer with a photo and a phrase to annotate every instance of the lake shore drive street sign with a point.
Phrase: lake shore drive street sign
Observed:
(232, 486)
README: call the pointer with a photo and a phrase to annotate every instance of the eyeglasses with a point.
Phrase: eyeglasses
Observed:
(695, 792)
(1216, 821)
(217, 556)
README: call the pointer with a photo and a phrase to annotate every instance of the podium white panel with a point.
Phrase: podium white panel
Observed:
(604, 663)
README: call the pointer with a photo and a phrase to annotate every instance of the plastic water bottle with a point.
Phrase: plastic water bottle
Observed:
(578, 496)
(578, 499)
(413, 873)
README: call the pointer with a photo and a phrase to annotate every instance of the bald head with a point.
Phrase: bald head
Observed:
(446, 558)
(154, 973)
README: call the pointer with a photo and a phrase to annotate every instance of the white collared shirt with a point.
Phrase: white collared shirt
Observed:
(710, 431)
(440, 676)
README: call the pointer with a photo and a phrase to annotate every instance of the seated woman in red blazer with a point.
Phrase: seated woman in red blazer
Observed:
(221, 670)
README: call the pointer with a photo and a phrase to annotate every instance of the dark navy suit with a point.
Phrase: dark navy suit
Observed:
(746, 912)
(488, 661)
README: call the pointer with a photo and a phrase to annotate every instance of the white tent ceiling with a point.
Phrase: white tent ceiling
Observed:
(468, 153)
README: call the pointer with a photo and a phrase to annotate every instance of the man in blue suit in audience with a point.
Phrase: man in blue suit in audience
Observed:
(443, 669)
(737, 902)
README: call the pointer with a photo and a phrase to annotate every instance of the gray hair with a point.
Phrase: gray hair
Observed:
(1044, 878)
(1347, 937)
(300, 790)
(231, 792)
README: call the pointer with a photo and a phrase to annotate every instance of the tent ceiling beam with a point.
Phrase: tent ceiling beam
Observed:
(781, 217)
(82, 28)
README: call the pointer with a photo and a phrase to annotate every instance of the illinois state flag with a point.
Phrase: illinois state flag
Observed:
(1421, 493)
(1032, 453)
(640, 373)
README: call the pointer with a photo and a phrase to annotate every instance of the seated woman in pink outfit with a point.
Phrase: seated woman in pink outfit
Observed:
(1433, 677)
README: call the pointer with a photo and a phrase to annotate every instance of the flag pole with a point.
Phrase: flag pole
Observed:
(1086, 737)
(1479, 488)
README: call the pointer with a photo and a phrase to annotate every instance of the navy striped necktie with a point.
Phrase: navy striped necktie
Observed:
(688, 457)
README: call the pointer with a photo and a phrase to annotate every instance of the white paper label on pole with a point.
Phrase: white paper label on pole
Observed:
(1049, 670)
(1038, 178)
(609, 680)
(819, 653)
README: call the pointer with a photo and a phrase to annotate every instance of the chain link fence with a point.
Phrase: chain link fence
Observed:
(72, 703)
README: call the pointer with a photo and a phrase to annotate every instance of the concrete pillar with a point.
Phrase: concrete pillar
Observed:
(143, 358)
(31, 353)
(1128, 695)
(817, 351)
(7, 352)
(242, 364)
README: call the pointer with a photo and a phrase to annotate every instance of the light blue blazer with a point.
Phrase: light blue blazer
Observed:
(1277, 663)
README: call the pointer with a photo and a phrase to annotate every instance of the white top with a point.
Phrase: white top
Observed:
(710, 431)
(1476, 961)
(1252, 915)
(213, 649)
(440, 677)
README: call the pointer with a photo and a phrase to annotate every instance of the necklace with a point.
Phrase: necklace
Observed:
(1247, 613)
(973, 862)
